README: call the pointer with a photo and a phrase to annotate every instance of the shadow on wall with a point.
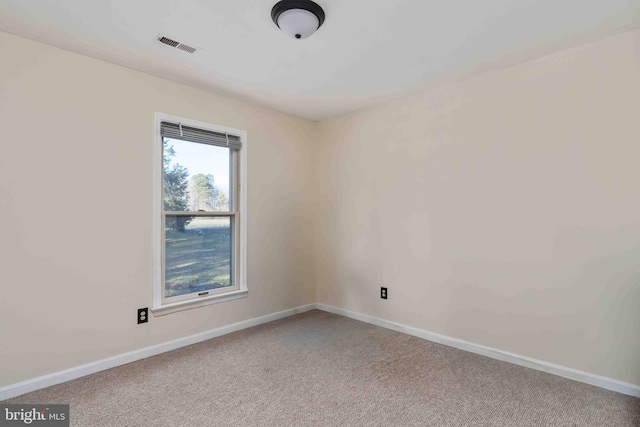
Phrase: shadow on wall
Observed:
(584, 301)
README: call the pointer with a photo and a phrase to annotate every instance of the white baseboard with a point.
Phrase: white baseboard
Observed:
(562, 371)
(18, 389)
(34, 384)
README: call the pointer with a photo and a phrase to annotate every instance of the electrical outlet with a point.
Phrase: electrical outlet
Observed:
(383, 293)
(143, 315)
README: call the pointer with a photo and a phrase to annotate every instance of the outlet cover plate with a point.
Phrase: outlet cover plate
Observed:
(143, 315)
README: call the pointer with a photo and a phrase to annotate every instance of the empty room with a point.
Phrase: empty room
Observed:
(320, 213)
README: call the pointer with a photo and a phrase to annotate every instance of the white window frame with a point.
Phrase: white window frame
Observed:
(238, 179)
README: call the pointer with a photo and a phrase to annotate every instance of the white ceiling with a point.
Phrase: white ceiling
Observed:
(367, 51)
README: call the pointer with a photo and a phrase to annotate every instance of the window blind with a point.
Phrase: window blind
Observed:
(191, 134)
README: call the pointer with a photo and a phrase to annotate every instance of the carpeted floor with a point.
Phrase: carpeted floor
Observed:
(320, 369)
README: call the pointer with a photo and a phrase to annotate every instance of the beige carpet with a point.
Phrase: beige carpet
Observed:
(319, 369)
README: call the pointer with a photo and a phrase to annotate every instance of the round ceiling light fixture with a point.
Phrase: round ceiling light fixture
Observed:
(297, 18)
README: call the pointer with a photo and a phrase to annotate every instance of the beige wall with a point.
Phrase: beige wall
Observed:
(76, 180)
(503, 210)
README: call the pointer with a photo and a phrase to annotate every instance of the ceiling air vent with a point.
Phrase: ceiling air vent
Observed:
(178, 45)
(167, 40)
(186, 48)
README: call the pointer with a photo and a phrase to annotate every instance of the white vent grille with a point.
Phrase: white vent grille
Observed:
(167, 40)
(186, 48)
(176, 44)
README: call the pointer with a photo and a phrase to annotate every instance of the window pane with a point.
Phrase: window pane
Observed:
(196, 176)
(197, 254)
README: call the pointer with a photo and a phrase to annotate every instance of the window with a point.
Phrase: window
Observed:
(200, 214)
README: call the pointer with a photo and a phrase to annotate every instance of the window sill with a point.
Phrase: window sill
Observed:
(187, 305)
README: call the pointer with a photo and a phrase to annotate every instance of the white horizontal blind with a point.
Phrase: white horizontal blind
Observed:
(202, 136)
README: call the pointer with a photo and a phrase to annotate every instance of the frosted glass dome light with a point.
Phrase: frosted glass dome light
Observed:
(297, 18)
